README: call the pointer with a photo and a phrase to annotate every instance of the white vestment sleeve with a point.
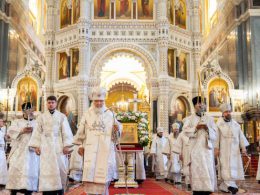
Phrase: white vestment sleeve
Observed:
(217, 141)
(212, 130)
(187, 126)
(80, 136)
(242, 140)
(2, 132)
(67, 136)
(153, 146)
(14, 131)
(35, 140)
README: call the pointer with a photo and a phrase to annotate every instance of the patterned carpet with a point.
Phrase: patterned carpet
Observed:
(152, 187)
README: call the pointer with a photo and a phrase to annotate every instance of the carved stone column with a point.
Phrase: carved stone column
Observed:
(84, 27)
(49, 50)
(196, 38)
(163, 33)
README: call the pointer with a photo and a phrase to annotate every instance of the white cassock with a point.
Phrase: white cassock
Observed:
(174, 164)
(198, 153)
(52, 134)
(3, 165)
(140, 170)
(23, 162)
(159, 159)
(258, 169)
(230, 139)
(76, 162)
(94, 134)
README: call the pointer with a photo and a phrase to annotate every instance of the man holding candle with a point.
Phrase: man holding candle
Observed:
(196, 139)
(23, 162)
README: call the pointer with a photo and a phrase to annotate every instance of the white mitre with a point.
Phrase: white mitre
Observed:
(98, 93)
(175, 126)
(225, 107)
(159, 129)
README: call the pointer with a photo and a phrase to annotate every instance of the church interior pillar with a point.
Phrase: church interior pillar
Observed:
(163, 104)
(82, 82)
(4, 28)
(49, 52)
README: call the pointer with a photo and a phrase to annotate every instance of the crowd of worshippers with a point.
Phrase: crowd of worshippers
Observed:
(38, 160)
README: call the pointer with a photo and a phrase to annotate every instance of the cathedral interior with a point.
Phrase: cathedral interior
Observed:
(152, 56)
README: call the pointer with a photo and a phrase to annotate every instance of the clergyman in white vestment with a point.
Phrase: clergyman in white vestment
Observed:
(159, 159)
(230, 139)
(52, 141)
(23, 162)
(97, 134)
(3, 165)
(198, 136)
(173, 164)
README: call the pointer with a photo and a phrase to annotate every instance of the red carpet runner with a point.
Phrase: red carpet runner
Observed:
(149, 187)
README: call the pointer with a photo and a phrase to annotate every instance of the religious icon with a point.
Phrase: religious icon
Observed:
(179, 109)
(101, 9)
(63, 66)
(76, 10)
(123, 9)
(129, 133)
(75, 62)
(217, 94)
(181, 66)
(180, 15)
(238, 105)
(27, 90)
(170, 11)
(171, 62)
(65, 14)
(145, 9)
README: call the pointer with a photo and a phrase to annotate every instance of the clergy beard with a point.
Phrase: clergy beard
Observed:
(98, 110)
(227, 118)
(160, 136)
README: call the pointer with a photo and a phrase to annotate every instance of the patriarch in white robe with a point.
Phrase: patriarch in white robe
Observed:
(159, 159)
(23, 162)
(230, 140)
(97, 136)
(52, 141)
(3, 164)
(196, 144)
(174, 164)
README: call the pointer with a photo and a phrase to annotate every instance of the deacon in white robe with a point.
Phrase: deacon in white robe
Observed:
(159, 160)
(230, 140)
(196, 143)
(3, 165)
(52, 141)
(258, 169)
(23, 162)
(174, 164)
(97, 136)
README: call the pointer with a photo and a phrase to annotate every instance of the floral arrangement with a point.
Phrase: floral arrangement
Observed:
(141, 119)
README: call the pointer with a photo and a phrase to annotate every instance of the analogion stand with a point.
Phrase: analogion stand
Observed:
(127, 167)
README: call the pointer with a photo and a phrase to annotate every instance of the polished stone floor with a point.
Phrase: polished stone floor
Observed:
(249, 186)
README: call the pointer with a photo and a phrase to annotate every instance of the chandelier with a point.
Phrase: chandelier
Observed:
(122, 104)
